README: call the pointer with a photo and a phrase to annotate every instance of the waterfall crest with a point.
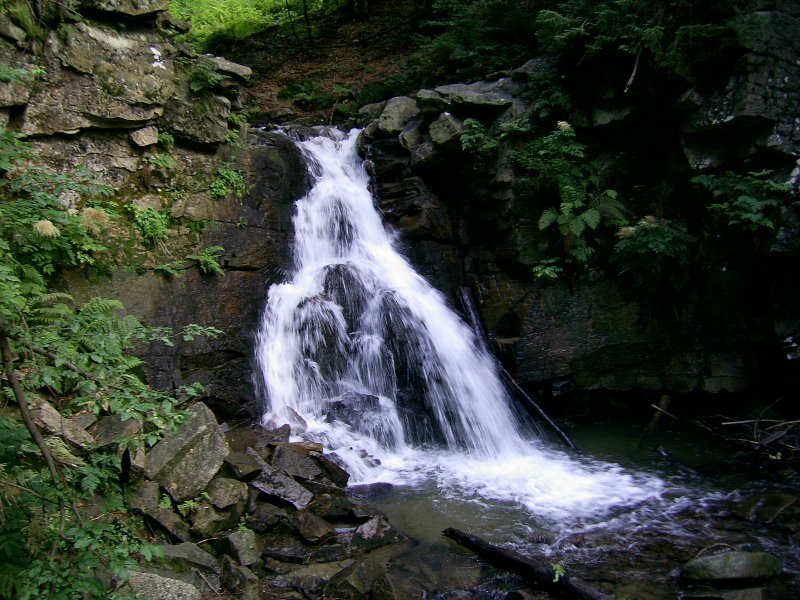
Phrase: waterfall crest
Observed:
(359, 352)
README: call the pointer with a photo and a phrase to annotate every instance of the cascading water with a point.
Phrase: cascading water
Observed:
(359, 352)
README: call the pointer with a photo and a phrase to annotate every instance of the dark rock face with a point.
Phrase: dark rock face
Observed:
(461, 227)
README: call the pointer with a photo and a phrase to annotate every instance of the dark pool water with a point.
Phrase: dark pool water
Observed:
(715, 497)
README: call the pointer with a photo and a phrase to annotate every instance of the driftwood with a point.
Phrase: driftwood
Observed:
(541, 574)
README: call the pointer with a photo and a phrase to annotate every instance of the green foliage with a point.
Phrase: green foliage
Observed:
(65, 521)
(475, 141)
(20, 74)
(153, 225)
(171, 269)
(205, 76)
(162, 161)
(749, 202)
(166, 140)
(33, 220)
(555, 164)
(654, 257)
(227, 180)
(558, 571)
(208, 260)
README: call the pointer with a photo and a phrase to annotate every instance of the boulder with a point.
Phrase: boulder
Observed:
(146, 136)
(283, 488)
(111, 429)
(197, 118)
(224, 492)
(145, 496)
(375, 533)
(192, 555)
(226, 67)
(243, 466)
(266, 517)
(150, 586)
(311, 579)
(732, 566)
(128, 8)
(184, 463)
(241, 545)
(50, 420)
(170, 522)
(311, 527)
(446, 128)
(397, 114)
(430, 102)
(239, 580)
(208, 521)
(363, 580)
(480, 97)
(288, 459)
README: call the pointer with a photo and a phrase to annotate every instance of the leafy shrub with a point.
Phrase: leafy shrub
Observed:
(63, 513)
(654, 256)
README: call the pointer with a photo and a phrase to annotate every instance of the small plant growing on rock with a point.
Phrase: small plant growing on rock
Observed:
(227, 181)
(208, 260)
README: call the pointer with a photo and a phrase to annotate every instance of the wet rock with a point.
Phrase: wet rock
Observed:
(332, 507)
(170, 522)
(311, 579)
(330, 464)
(312, 528)
(239, 580)
(184, 463)
(360, 581)
(243, 466)
(224, 492)
(747, 594)
(765, 508)
(241, 545)
(289, 549)
(207, 520)
(193, 556)
(150, 586)
(294, 462)
(145, 496)
(374, 533)
(266, 517)
(282, 488)
(732, 566)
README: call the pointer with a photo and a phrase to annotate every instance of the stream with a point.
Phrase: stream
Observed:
(713, 499)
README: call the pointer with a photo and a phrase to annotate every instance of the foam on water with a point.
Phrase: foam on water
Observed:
(362, 354)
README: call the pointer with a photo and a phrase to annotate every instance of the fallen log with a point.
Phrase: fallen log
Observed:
(540, 574)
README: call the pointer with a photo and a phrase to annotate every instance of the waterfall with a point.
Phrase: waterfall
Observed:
(361, 353)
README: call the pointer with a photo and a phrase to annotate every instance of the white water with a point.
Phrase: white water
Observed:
(359, 352)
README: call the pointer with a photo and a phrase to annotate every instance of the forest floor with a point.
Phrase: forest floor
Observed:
(314, 75)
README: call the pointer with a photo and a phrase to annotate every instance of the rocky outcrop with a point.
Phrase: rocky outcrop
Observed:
(152, 120)
(290, 529)
(463, 221)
